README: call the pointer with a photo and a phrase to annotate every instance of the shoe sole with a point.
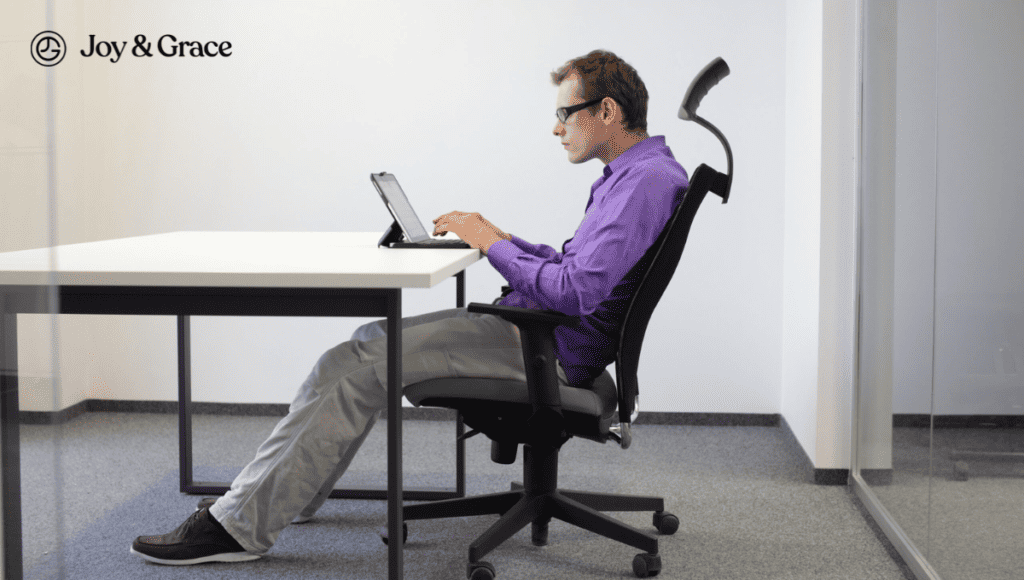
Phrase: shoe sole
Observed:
(225, 557)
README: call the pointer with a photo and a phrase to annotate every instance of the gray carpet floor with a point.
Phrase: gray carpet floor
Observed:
(747, 511)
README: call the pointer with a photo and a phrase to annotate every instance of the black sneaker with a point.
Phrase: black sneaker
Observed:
(207, 502)
(200, 539)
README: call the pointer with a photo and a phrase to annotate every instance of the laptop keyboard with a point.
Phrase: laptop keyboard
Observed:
(446, 243)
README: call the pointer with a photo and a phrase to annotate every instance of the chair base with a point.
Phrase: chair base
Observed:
(518, 508)
(537, 500)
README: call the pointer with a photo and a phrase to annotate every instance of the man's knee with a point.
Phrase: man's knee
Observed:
(369, 331)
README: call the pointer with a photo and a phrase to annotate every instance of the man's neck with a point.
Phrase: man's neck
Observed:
(620, 143)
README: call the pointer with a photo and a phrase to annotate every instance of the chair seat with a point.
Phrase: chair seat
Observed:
(499, 407)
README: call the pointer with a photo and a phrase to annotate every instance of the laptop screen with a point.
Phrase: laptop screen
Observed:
(400, 207)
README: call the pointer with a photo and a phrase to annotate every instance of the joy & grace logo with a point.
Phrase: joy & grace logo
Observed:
(49, 48)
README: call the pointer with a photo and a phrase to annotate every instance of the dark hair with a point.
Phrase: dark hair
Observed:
(602, 74)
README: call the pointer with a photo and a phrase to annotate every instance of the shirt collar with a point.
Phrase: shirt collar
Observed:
(633, 153)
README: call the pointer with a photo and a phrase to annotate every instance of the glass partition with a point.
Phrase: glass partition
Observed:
(939, 454)
(977, 528)
(29, 369)
(29, 333)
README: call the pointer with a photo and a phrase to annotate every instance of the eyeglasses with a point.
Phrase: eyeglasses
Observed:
(564, 112)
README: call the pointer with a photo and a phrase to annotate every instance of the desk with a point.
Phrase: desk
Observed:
(217, 274)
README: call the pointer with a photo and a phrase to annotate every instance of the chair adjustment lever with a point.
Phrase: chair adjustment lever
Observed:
(465, 436)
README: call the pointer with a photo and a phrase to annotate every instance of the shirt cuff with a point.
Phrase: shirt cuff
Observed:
(501, 253)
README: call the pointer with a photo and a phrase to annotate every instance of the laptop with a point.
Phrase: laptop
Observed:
(406, 221)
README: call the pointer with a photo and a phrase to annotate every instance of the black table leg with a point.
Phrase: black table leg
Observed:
(187, 483)
(10, 447)
(395, 560)
(184, 404)
(460, 427)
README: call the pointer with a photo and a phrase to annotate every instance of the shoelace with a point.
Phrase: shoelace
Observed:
(190, 523)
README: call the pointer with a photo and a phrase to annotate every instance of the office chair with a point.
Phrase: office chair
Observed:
(542, 416)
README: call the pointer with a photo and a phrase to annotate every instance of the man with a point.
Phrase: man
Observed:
(602, 113)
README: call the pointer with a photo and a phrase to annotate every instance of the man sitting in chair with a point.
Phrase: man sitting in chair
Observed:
(602, 113)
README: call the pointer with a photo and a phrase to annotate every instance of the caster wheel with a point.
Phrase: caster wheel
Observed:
(666, 523)
(480, 571)
(646, 565)
(384, 533)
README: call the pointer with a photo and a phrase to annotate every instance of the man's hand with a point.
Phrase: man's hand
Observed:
(472, 228)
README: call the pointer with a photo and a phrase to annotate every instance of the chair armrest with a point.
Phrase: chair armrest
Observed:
(536, 329)
(524, 316)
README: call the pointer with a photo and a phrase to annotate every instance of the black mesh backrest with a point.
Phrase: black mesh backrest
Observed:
(656, 269)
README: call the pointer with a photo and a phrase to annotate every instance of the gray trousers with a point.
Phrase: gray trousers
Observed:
(296, 468)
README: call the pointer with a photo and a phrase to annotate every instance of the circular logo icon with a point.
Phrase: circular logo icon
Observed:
(48, 48)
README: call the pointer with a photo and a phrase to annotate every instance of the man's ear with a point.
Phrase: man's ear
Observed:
(610, 111)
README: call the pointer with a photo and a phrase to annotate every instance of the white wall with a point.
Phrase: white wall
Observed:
(455, 100)
(802, 225)
(819, 317)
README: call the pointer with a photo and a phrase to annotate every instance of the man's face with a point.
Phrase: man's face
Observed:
(581, 133)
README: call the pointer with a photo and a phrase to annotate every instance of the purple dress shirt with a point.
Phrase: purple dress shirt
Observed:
(629, 206)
